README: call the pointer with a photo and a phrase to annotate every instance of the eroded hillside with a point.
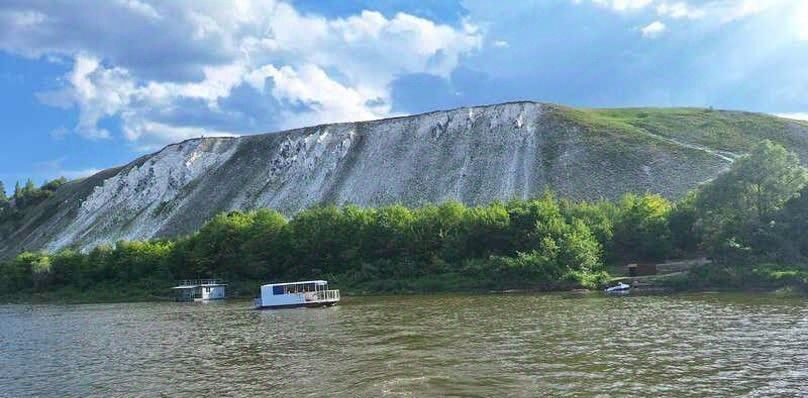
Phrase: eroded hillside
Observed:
(474, 155)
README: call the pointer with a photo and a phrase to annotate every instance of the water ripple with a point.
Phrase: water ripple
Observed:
(461, 345)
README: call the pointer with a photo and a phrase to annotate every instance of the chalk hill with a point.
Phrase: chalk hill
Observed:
(474, 155)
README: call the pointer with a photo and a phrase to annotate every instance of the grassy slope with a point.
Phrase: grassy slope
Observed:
(717, 129)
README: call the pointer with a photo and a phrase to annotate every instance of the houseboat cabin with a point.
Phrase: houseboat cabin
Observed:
(297, 294)
(199, 290)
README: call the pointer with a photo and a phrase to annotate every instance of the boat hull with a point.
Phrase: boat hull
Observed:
(296, 305)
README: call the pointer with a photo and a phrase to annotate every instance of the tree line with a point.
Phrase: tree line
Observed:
(755, 212)
(25, 196)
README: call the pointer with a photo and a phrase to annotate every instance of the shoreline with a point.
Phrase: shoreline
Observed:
(48, 299)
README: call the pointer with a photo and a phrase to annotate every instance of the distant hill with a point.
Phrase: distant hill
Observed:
(474, 155)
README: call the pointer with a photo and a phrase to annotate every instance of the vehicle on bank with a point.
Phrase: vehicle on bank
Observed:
(297, 294)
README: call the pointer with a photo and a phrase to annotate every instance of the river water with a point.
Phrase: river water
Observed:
(703, 345)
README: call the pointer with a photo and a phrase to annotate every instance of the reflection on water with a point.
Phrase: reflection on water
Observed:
(470, 345)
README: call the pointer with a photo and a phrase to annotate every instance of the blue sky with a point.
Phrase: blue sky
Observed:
(94, 84)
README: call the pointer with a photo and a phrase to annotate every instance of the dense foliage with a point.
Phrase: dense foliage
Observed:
(741, 215)
(755, 213)
(24, 197)
(4, 203)
(541, 242)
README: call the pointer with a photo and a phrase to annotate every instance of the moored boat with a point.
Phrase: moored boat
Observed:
(297, 294)
(619, 288)
(199, 290)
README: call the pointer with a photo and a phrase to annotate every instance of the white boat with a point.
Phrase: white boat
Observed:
(621, 287)
(199, 290)
(296, 294)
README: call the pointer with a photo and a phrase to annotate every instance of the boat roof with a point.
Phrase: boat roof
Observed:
(318, 282)
(195, 285)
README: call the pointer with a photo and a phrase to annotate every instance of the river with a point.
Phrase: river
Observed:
(560, 344)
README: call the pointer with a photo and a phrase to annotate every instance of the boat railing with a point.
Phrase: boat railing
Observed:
(323, 295)
(198, 282)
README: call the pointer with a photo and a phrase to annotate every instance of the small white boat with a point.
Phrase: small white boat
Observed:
(619, 288)
(199, 290)
(297, 294)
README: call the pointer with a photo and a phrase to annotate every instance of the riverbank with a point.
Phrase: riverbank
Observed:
(761, 278)
(148, 291)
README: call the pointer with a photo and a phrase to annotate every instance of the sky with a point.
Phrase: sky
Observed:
(86, 85)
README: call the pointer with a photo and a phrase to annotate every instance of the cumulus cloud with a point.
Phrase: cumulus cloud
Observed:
(653, 30)
(173, 70)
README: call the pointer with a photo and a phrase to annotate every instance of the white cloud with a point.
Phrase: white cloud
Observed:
(54, 168)
(622, 5)
(796, 115)
(24, 19)
(140, 8)
(59, 133)
(799, 20)
(500, 44)
(653, 30)
(331, 100)
(718, 12)
(305, 68)
(721, 10)
(76, 174)
(679, 9)
(153, 133)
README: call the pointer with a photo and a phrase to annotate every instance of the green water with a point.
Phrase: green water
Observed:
(704, 345)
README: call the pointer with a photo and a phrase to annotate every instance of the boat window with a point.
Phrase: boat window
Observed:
(296, 288)
(277, 290)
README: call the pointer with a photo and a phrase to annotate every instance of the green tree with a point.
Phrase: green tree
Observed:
(265, 246)
(756, 184)
(53, 185)
(682, 222)
(641, 230)
(744, 198)
(29, 195)
(486, 230)
(4, 202)
(580, 251)
(598, 216)
(29, 187)
(216, 248)
(784, 237)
